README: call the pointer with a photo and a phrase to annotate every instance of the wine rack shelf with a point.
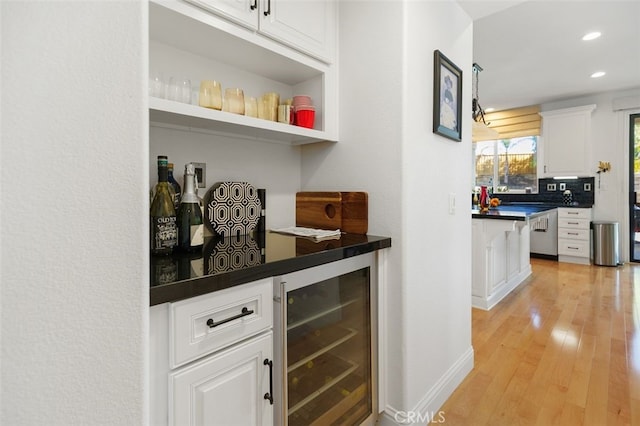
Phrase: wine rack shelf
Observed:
(342, 403)
(320, 314)
(310, 347)
(309, 381)
(167, 113)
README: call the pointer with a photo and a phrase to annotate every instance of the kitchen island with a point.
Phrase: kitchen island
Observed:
(500, 254)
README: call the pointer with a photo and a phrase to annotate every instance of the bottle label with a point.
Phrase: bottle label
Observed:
(164, 232)
(197, 235)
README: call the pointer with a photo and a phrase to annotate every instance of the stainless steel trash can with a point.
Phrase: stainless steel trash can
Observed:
(605, 243)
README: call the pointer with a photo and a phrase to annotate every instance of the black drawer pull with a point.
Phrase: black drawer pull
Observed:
(573, 223)
(211, 323)
(254, 5)
(268, 11)
(269, 395)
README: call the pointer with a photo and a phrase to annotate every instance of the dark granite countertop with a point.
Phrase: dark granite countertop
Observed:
(227, 262)
(520, 210)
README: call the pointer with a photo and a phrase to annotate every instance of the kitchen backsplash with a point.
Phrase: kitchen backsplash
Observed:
(582, 191)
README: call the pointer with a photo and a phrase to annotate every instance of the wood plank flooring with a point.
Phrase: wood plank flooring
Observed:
(562, 349)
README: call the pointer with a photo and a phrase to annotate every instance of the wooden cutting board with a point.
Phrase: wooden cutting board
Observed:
(347, 211)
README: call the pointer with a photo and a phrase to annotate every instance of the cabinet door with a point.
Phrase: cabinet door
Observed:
(244, 12)
(308, 26)
(566, 139)
(227, 388)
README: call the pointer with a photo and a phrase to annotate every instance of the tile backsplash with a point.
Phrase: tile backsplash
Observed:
(549, 191)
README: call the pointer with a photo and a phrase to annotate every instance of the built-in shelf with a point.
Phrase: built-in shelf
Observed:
(164, 112)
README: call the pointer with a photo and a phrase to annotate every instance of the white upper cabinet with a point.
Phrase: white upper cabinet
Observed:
(566, 147)
(308, 26)
(191, 41)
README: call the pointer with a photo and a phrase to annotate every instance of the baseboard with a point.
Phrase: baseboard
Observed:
(428, 408)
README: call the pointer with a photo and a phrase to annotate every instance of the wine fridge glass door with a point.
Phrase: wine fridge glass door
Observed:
(325, 337)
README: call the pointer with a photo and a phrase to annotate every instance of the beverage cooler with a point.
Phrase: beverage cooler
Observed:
(325, 331)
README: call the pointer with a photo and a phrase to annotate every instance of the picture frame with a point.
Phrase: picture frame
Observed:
(447, 97)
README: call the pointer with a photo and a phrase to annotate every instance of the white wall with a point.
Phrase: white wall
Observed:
(74, 230)
(387, 148)
(609, 142)
(274, 167)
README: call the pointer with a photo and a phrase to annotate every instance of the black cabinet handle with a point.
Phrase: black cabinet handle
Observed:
(269, 395)
(254, 5)
(268, 11)
(211, 323)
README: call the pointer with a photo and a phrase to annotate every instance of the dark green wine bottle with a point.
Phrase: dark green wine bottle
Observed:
(164, 229)
(190, 224)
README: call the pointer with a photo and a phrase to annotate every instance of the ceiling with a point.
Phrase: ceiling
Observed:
(531, 51)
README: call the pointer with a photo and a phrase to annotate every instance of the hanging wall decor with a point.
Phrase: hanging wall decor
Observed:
(447, 97)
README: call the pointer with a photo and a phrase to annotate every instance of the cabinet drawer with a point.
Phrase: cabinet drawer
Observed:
(574, 213)
(210, 322)
(579, 248)
(574, 234)
(572, 223)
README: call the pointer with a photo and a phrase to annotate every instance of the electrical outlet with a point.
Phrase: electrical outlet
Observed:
(551, 187)
(563, 186)
(201, 174)
(587, 187)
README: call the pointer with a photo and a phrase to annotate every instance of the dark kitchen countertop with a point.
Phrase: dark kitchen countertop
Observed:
(520, 210)
(228, 262)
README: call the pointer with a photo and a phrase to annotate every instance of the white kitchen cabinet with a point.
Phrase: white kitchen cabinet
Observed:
(207, 358)
(574, 235)
(189, 41)
(566, 146)
(228, 388)
(500, 260)
(308, 26)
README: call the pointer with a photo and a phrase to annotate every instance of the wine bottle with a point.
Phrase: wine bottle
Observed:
(177, 192)
(190, 224)
(164, 230)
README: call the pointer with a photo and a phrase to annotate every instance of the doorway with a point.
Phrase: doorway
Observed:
(634, 184)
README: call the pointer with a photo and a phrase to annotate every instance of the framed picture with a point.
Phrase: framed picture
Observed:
(447, 97)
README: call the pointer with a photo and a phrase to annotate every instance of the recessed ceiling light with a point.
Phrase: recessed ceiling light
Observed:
(591, 36)
(598, 74)
(489, 109)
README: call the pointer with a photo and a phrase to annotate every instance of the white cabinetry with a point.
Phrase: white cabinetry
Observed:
(566, 147)
(211, 358)
(574, 235)
(308, 26)
(500, 259)
(226, 388)
(187, 40)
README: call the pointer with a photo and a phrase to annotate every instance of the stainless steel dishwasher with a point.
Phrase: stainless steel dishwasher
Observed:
(544, 234)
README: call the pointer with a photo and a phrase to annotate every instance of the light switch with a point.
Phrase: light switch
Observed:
(563, 186)
(587, 187)
(452, 203)
(551, 187)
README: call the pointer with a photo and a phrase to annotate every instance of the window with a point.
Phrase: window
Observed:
(507, 165)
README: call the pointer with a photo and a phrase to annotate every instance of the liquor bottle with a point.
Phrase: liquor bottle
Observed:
(177, 192)
(190, 225)
(164, 230)
(172, 190)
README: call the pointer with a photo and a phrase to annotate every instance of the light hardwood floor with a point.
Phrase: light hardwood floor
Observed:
(562, 349)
